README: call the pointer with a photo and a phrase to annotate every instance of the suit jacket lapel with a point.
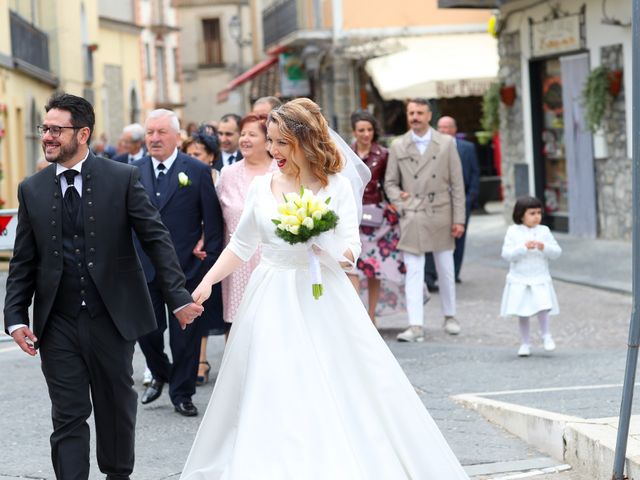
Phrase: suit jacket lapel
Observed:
(147, 177)
(180, 165)
(51, 189)
(411, 150)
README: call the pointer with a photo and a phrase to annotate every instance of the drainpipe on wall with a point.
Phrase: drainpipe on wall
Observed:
(341, 75)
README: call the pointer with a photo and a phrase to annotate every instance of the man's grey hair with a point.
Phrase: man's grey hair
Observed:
(275, 102)
(163, 112)
(136, 131)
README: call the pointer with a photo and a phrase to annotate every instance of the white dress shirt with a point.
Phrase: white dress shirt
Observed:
(136, 156)
(422, 143)
(167, 163)
(226, 156)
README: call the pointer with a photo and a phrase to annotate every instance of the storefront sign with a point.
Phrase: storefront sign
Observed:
(557, 35)
(293, 77)
(476, 87)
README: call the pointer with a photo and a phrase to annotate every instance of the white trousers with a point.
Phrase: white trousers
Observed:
(414, 284)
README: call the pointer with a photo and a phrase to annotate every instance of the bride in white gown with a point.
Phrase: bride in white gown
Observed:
(308, 390)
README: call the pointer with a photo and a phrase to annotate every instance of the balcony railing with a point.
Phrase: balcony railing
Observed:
(279, 20)
(28, 43)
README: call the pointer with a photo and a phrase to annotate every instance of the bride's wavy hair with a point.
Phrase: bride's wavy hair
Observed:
(302, 125)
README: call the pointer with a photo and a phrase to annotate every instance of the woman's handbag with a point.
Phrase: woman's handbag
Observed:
(372, 215)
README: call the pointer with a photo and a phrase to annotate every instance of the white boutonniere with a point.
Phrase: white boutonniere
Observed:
(183, 180)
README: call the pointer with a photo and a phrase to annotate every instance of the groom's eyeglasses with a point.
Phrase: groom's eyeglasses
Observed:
(53, 130)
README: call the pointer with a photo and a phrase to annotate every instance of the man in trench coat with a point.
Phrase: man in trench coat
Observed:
(424, 181)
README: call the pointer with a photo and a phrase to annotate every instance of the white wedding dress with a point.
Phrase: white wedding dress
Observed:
(308, 390)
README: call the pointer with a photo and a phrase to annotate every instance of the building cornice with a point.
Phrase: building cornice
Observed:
(6, 61)
(35, 72)
(120, 25)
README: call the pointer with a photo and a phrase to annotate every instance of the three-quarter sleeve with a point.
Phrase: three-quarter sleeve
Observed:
(551, 248)
(347, 230)
(346, 235)
(246, 238)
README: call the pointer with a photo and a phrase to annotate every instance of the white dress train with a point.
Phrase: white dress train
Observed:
(308, 390)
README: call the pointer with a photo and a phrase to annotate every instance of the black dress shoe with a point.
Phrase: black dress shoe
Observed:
(458, 280)
(153, 391)
(186, 408)
(433, 287)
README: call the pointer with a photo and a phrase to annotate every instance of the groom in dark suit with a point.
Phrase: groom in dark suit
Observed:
(183, 191)
(74, 251)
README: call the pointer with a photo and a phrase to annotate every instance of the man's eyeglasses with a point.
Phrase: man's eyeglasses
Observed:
(53, 130)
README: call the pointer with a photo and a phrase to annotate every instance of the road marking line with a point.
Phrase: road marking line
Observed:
(550, 389)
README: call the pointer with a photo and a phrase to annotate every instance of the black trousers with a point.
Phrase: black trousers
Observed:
(184, 344)
(86, 363)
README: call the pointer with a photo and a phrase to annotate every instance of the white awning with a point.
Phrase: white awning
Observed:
(437, 66)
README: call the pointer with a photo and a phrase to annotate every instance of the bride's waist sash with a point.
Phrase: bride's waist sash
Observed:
(284, 257)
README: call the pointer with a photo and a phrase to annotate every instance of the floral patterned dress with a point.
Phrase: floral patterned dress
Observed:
(380, 258)
(232, 187)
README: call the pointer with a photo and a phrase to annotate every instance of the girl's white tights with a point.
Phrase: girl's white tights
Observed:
(543, 319)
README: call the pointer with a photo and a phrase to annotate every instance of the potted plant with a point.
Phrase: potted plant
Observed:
(597, 96)
(508, 94)
(615, 82)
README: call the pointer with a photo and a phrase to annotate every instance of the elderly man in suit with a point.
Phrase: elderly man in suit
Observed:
(74, 251)
(424, 181)
(183, 191)
(133, 142)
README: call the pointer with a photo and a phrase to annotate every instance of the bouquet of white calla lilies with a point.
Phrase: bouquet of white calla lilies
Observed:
(300, 217)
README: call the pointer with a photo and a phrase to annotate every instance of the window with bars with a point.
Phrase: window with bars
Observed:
(212, 42)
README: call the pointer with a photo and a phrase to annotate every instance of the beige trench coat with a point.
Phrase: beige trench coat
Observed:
(436, 185)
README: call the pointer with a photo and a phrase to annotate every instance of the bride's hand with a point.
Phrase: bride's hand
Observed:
(201, 293)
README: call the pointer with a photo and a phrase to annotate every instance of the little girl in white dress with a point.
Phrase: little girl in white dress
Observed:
(528, 246)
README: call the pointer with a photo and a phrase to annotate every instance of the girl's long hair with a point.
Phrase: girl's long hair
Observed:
(302, 125)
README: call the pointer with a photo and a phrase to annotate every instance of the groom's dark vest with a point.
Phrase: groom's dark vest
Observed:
(76, 285)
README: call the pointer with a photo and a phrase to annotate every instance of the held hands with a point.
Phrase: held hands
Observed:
(457, 230)
(533, 244)
(188, 314)
(202, 293)
(25, 339)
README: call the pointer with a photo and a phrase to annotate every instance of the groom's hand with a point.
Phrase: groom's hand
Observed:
(25, 339)
(188, 314)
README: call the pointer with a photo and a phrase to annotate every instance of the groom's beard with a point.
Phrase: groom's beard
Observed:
(64, 153)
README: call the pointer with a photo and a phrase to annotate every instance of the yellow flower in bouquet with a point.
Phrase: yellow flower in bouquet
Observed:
(300, 217)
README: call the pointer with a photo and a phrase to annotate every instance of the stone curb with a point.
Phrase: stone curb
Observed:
(587, 445)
